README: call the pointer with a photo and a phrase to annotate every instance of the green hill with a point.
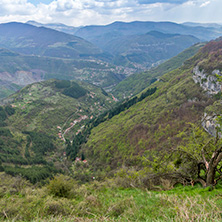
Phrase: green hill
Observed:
(137, 82)
(37, 121)
(139, 141)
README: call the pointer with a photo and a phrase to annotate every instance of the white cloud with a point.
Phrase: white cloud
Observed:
(205, 4)
(85, 12)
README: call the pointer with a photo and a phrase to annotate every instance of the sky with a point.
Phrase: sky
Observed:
(100, 12)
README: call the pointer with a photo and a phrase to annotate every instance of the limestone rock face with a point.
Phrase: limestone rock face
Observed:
(212, 86)
(210, 124)
(207, 81)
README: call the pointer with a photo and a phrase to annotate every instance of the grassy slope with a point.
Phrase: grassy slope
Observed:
(151, 126)
(106, 202)
(139, 81)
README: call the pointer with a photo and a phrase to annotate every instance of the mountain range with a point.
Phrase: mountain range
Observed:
(31, 40)
(31, 53)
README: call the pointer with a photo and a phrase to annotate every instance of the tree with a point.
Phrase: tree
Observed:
(204, 154)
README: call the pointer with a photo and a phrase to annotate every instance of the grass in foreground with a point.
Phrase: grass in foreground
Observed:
(65, 200)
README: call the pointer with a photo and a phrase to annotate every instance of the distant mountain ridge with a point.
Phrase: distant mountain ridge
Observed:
(32, 40)
(147, 49)
(116, 39)
(57, 26)
(117, 29)
(207, 25)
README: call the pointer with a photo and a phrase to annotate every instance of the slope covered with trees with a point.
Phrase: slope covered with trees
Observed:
(37, 121)
(149, 137)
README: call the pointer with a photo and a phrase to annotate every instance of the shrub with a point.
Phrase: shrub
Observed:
(61, 186)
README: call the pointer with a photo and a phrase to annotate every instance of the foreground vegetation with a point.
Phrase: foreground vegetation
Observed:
(63, 199)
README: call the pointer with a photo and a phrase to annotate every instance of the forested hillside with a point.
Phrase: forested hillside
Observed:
(137, 82)
(146, 138)
(37, 121)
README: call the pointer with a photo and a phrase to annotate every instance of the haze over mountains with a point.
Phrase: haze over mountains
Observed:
(107, 56)
(31, 40)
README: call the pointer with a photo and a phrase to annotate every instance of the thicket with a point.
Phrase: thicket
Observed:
(75, 91)
(34, 174)
(61, 84)
(41, 142)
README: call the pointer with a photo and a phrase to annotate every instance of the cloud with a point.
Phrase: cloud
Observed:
(205, 4)
(161, 1)
(86, 12)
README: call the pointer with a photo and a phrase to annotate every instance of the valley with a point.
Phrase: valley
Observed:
(31, 52)
(118, 122)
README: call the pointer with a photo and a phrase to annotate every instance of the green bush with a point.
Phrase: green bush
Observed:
(61, 186)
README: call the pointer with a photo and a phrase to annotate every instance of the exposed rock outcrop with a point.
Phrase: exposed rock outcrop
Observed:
(208, 82)
(212, 86)
(23, 78)
(210, 124)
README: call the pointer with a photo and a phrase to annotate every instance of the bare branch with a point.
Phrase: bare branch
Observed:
(203, 153)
